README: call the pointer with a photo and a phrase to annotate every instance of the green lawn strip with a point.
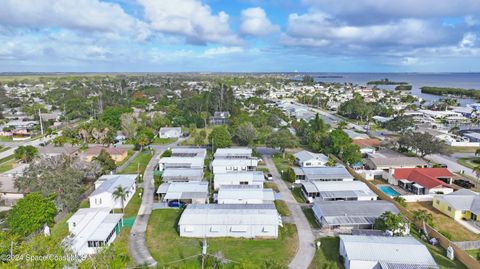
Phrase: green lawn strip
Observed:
(297, 194)
(463, 149)
(311, 217)
(2, 149)
(7, 165)
(163, 141)
(475, 253)
(467, 162)
(282, 208)
(327, 257)
(166, 246)
(281, 163)
(138, 164)
(271, 185)
(6, 139)
(133, 205)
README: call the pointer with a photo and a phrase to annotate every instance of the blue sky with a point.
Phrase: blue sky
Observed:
(240, 35)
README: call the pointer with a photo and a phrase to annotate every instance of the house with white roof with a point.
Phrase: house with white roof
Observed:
(337, 190)
(244, 194)
(382, 252)
(170, 132)
(188, 192)
(239, 178)
(309, 159)
(234, 153)
(181, 162)
(230, 220)
(106, 185)
(228, 165)
(9, 194)
(91, 229)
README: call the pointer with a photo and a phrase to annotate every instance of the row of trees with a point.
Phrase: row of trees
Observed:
(357, 109)
(420, 143)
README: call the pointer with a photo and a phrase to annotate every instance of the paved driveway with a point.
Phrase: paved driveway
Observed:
(306, 239)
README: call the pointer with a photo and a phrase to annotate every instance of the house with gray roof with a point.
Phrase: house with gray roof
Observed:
(337, 173)
(229, 165)
(230, 220)
(170, 175)
(233, 153)
(387, 163)
(350, 214)
(337, 190)
(189, 152)
(306, 158)
(382, 252)
(244, 194)
(187, 192)
(106, 185)
(181, 162)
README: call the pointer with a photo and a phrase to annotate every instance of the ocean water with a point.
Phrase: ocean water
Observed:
(417, 80)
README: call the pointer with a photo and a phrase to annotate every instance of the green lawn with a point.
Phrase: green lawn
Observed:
(282, 164)
(7, 164)
(467, 162)
(327, 257)
(297, 194)
(166, 246)
(163, 141)
(475, 253)
(6, 139)
(311, 217)
(271, 185)
(132, 208)
(138, 164)
(2, 149)
(462, 149)
(282, 208)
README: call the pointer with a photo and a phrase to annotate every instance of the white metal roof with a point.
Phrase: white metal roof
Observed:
(235, 162)
(227, 214)
(402, 250)
(256, 176)
(233, 152)
(193, 161)
(110, 183)
(189, 152)
(319, 173)
(304, 156)
(245, 192)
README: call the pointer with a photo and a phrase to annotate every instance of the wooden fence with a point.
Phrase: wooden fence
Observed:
(460, 254)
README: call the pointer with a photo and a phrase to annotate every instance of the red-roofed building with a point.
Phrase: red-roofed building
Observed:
(422, 180)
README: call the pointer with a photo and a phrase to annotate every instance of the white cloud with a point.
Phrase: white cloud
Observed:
(468, 40)
(471, 21)
(190, 18)
(254, 21)
(222, 51)
(322, 29)
(403, 8)
(88, 15)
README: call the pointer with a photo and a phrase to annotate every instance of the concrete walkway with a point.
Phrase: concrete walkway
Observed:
(137, 242)
(306, 239)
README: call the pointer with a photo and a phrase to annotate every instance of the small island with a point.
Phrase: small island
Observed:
(460, 92)
(386, 82)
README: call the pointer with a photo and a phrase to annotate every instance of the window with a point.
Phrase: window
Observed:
(100, 201)
(243, 182)
(308, 164)
(74, 224)
(449, 208)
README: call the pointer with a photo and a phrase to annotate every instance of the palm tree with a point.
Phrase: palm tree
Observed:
(424, 217)
(476, 170)
(120, 193)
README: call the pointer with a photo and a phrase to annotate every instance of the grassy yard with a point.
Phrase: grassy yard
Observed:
(138, 164)
(310, 217)
(166, 246)
(191, 140)
(163, 141)
(475, 253)
(467, 162)
(327, 257)
(271, 185)
(6, 139)
(282, 164)
(2, 149)
(132, 208)
(462, 149)
(282, 208)
(443, 223)
(297, 194)
(7, 164)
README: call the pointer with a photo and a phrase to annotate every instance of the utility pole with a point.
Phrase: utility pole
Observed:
(204, 252)
(41, 123)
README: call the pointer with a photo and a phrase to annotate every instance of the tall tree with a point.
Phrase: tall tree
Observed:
(105, 161)
(424, 217)
(245, 134)
(220, 137)
(129, 125)
(282, 139)
(120, 193)
(31, 213)
(26, 153)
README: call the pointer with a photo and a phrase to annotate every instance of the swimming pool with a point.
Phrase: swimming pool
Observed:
(388, 190)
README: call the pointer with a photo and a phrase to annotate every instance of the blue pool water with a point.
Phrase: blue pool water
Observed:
(388, 190)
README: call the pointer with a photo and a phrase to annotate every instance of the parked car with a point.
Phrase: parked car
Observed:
(464, 183)
(269, 176)
(176, 203)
